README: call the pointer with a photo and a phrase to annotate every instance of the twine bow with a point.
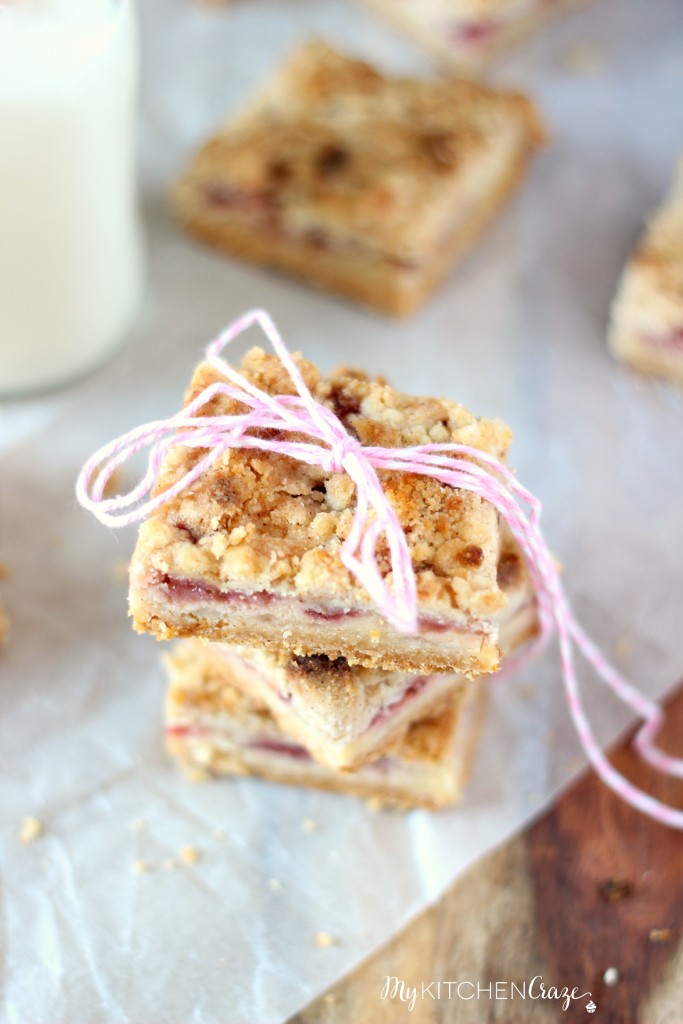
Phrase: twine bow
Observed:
(333, 449)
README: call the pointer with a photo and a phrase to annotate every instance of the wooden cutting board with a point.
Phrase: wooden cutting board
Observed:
(590, 896)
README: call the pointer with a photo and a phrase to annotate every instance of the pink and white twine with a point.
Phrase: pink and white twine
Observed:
(333, 449)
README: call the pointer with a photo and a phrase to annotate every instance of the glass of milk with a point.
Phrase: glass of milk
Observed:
(70, 242)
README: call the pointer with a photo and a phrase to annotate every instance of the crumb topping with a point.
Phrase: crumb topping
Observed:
(258, 520)
(333, 149)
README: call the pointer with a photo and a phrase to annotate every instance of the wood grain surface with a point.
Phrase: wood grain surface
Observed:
(590, 896)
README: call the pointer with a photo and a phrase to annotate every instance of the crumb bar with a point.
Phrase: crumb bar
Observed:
(220, 730)
(346, 717)
(646, 328)
(368, 186)
(250, 554)
(467, 34)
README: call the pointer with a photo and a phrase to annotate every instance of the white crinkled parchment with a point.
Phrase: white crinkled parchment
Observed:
(518, 333)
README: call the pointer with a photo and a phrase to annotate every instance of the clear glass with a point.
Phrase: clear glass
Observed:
(70, 241)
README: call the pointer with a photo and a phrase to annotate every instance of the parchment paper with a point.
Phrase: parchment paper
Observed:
(518, 333)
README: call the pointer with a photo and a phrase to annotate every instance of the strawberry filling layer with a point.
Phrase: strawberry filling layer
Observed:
(267, 744)
(479, 34)
(473, 34)
(415, 687)
(672, 340)
(274, 746)
(263, 207)
(186, 591)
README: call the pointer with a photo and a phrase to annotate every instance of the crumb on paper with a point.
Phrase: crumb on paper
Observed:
(30, 830)
(324, 939)
(660, 934)
(4, 570)
(374, 804)
(190, 854)
(119, 571)
(140, 867)
(623, 647)
(308, 825)
(584, 59)
(274, 884)
(611, 976)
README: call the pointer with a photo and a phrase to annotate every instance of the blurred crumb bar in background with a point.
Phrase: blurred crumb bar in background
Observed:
(215, 728)
(467, 34)
(646, 328)
(368, 186)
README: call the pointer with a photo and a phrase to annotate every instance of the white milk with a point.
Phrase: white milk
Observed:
(70, 252)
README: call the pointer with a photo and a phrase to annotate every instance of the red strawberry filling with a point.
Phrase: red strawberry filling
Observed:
(184, 590)
(281, 748)
(267, 743)
(670, 340)
(191, 590)
(473, 33)
(185, 730)
(416, 686)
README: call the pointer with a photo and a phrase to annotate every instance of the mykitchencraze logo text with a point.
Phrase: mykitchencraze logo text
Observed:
(396, 988)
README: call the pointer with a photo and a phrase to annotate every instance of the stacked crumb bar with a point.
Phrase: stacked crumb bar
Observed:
(286, 669)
